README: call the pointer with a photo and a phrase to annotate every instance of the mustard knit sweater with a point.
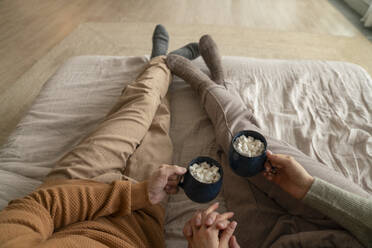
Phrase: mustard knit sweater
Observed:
(83, 213)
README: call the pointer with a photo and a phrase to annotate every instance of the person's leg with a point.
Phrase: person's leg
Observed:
(108, 148)
(156, 147)
(259, 205)
(229, 115)
(209, 52)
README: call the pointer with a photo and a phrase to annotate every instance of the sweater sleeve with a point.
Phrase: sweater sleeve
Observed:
(33, 219)
(352, 212)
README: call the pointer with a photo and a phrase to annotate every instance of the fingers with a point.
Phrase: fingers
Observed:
(173, 182)
(196, 220)
(173, 177)
(173, 170)
(233, 243)
(208, 211)
(225, 216)
(279, 160)
(215, 217)
(187, 229)
(268, 176)
(268, 172)
(222, 225)
(187, 232)
(203, 221)
(211, 208)
(172, 185)
(210, 218)
(268, 166)
(171, 190)
(201, 218)
(227, 234)
(170, 174)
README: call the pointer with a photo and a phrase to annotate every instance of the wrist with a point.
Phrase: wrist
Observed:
(307, 185)
(151, 196)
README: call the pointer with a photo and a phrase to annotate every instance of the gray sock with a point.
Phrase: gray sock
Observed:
(190, 51)
(160, 40)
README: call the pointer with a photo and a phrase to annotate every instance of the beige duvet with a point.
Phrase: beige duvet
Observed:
(323, 108)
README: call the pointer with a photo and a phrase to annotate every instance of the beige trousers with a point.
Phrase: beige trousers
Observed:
(133, 140)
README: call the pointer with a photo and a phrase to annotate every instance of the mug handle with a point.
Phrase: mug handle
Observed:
(273, 170)
(180, 183)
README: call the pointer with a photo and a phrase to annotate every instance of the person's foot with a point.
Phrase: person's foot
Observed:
(209, 52)
(190, 51)
(185, 69)
(160, 40)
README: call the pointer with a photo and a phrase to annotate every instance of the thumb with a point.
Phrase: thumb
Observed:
(279, 160)
(227, 233)
(178, 170)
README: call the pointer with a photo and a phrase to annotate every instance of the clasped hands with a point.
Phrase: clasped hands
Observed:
(209, 229)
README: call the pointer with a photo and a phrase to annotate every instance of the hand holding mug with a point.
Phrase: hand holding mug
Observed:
(164, 181)
(290, 175)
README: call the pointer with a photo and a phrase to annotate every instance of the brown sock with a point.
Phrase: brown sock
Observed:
(184, 69)
(209, 51)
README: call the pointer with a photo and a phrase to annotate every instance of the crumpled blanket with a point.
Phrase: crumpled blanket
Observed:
(323, 108)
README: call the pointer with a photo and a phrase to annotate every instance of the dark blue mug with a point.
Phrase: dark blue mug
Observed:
(247, 166)
(196, 190)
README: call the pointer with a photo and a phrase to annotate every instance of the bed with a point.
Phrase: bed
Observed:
(322, 107)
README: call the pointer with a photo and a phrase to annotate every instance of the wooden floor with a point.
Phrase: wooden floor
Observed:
(31, 32)
(28, 29)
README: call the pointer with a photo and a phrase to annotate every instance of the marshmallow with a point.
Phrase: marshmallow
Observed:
(204, 172)
(249, 146)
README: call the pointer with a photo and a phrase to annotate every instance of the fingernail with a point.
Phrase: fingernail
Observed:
(269, 152)
(198, 221)
(233, 224)
(209, 221)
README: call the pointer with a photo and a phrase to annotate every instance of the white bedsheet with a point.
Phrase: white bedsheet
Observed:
(324, 108)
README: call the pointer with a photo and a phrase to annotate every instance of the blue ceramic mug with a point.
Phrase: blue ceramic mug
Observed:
(247, 166)
(196, 190)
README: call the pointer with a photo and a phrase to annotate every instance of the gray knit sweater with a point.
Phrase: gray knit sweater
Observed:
(352, 212)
